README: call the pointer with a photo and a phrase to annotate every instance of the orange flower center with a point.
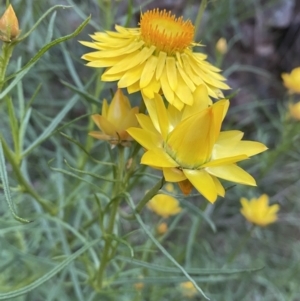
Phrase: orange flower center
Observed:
(165, 31)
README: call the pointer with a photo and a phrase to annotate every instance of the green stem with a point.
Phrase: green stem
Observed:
(106, 254)
(21, 179)
(7, 50)
(107, 246)
(148, 196)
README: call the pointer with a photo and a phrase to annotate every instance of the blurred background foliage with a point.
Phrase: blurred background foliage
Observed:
(263, 41)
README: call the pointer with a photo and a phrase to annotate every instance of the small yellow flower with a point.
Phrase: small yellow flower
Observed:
(188, 289)
(258, 211)
(294, 110)
(164, 205)
(156, 57)
(9, 25)
(139, 286)
(190, 148)
(221, 46)
(116, 118)
(292, 80)
(162, 228)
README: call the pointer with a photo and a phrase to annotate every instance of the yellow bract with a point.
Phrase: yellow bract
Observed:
(9, 25)
(164, 205)
(155, 58)
(292, 80)
(116, 118)
(188, 145)
(258, 211)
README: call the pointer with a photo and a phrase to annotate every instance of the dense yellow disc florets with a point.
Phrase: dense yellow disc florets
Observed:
(166, 32)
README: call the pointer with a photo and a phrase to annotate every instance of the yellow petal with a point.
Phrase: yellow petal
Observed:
(183, 91)
(148, 72)
(104, 108)
(158, 158)
(219, 186)
(162, 117)
(148, 140)
(132, 76)
(152, 88)
(203, 182)
(118, 108)
(100, 136)
(224, 161)
(173, 175)
(160, 64)
(187, 144)
(146, 123)
(106, 126)
(132, 61)
(171, 72)
(197, 80)
(129, 120)
(232, 173)
(185, 78)
(167, 90)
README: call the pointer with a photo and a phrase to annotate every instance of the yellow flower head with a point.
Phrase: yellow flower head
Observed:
(188, 144)
(258, 211)
(294, 110)
(164, 205)
(9, 25)
(188, 289)
(116, 118)
(156, 57)
(292, 80)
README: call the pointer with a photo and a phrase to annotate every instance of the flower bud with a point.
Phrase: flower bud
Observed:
(221, 46)
(9, 25)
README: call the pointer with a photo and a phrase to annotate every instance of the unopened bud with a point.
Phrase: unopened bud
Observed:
(221, 46)
(9, 25)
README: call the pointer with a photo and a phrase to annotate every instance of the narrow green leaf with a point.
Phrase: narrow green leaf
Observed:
(50, 28)
(23, 127)
(20, 74)
(193, 271)
(96, 176)
(162, 249)
(122, 241)
(83, 148)
(29, 103)
(82, 93)
(7, 195)
(49, 130)
(40, 20)
(49, 275)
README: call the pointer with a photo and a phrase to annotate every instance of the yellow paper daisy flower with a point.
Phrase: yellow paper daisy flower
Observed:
(115, 119)
(189, 146)
(156, 57)
(164, 205)
(188, 289)
(294, 110)
(258, 211)
(292, 80)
